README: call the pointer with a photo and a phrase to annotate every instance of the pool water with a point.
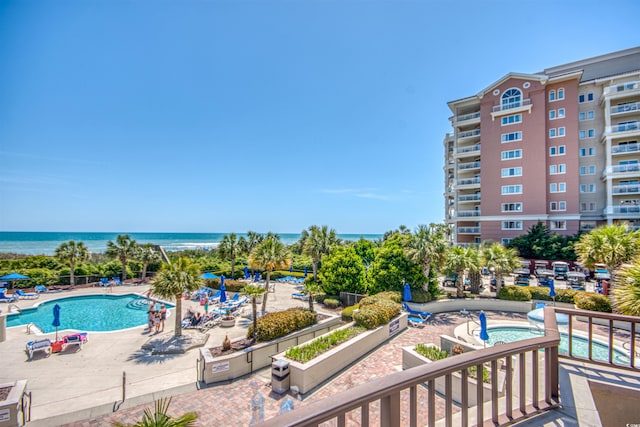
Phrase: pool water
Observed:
(91, 313)
(600, 351)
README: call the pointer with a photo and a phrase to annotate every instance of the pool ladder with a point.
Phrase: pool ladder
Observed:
(14, 306)
(31, 326)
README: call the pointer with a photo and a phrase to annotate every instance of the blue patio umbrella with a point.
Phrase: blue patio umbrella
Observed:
(291, 268)
(209, 276)
(246, 273)
(223, 291)
(14, 276)
(552, 289)
(484, 334)
(305, 272)
(221, 281)
(56, 318)
(407, 292)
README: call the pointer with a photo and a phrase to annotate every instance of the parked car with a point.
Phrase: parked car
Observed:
(575, 279)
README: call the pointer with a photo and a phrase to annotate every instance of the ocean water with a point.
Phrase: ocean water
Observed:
(36, 243)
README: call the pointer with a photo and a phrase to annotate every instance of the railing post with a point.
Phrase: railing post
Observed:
(464, 385)
(390, 410)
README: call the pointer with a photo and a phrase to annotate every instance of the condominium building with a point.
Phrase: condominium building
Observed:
(559, 146)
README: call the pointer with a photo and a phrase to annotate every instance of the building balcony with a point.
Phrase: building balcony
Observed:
(468, 230)
(469, 181)
(623, 130)
(625, 148)
(467, 119)
(511, 108)
(468, 166)
(626, 189)
(468, 213)
(622, 90)
(467, 151)
(632, 107)
(632, 210)
(474, 133)
(468, 198)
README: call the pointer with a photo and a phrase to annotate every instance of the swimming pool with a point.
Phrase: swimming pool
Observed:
(600, 351)
(91, 313)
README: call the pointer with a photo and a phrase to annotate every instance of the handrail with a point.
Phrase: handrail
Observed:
(14, 306)
(387, 389)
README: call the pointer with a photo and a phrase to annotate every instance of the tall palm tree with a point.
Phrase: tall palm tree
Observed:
(147, 254)
(123, 249)
(316, 242)
(159, 417)
(250, 242)
(269, 255)
(312, 288)
(460, 259)
(229, 248)
(71, 253)
(612, 245)
(626, 293)
(173, 281)
(428, 246)
(500, 260)
(253, 292)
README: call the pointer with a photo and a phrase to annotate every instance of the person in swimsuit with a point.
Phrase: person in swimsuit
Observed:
(163, 316)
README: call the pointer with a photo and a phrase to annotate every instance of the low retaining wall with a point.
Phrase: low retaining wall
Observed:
(442, 306)
(11, 408)
(224, 368)
(307, 376)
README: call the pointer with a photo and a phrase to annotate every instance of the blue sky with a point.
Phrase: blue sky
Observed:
(219, 116)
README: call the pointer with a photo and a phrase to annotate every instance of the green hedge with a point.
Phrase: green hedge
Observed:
(331, 302)
(281, 323)
(378, 309)
(515, 293)
(347, 312)
(306, 352)
(593, 302)
(420, 296)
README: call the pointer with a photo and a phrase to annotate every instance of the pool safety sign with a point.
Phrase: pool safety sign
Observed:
(394, 326)
(220, 367)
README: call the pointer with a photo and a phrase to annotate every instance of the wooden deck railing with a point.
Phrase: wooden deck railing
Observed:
(381, 398)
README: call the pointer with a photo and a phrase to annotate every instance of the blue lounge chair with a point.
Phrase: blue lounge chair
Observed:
(105, 282)
(23, 295)
(116, 280)
(41, 288)
(300, 296)
(414, 313)
(7, 298)
(416, 322)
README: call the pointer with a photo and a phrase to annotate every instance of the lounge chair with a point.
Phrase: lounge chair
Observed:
(74, 339)
(7, 298)
(105, 282)
(116, 281)
(300, 296)
(416, 322)
(39, 345)
(23, 295)
(415, 313)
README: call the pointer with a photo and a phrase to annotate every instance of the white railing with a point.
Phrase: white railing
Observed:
(622, 127)
(468, 213)
(625, 189)
(621, 87)
(468, 230)
(468, 149)
(512, 105)
(469, 133)
(469, 181)
(466, 117)
(469, 165)
(632, 106)
(625, 148)
(634, 167)
(469, 198)
(632, 209)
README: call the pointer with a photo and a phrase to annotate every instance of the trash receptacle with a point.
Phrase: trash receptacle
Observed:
(280, 380)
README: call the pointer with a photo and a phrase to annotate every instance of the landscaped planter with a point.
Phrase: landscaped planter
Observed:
(228, 323)
(11, 406)
(411, 359)
(224, 368)
(307, 376)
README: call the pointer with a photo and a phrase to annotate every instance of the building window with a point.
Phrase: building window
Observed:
(560, 113)
(587, 207)
(590, 115)
(559, 187)
(584, 188)
(511, 136)
(558, 225)
(512, 225)
(587, 152)
(512, 207)
(505, 241)
(560, 93)
(561, 131)
(558, 206)
(590, 97)
(582, 134)
(508, 120)
(552, 133)
(585, 98)
(587, 170)
(552, 114)
(557, 169)
(587, 225)
(582, 116)
(512, 189)
(591, 133)
(507, 172)
(511, 99)
(557, 150)
(552, 95)
(511, 154)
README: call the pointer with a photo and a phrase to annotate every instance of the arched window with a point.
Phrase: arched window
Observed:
(512, 98)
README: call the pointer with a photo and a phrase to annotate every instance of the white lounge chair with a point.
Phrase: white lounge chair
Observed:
(39, 345)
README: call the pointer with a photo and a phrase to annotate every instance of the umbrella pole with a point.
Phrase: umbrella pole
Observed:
(56, 333)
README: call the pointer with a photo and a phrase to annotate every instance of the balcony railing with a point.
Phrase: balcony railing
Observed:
(530, 387)
(623, 127)
(468, 213)
(468, 230)
(466, 117)
(473, 148)
(512, 105)
(469, 181)
(631, 209)
(625, 108)
(469, 165)
(625, 189)
(469, 198)
(625, 148)
(633, 167)
(469, 133)
(622, 87)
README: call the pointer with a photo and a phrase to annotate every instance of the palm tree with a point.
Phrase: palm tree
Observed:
(253, 292)
(269, 255)
(123, 249)
(159, 417)
(626, 293)
(173, 281)
(316, 242)
(230, 248)
(147, 254)
(311, 289)
(71, 253)
(612, 245)
(460, 259)
(500, 260)
(250, 242)
(428, 246)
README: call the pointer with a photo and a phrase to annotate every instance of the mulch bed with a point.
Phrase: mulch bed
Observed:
(235, 346)
(4, 392)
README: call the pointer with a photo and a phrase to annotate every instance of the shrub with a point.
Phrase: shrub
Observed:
(593, 302)
(375, 314)
(306, 352)
(347, 312)
(281, 323)
(420, 296)
(539, 293)
(514, 293)
(431, 352)
(566, 295)
(332, 303)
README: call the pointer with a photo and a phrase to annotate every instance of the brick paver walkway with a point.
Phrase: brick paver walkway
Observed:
(230, 404)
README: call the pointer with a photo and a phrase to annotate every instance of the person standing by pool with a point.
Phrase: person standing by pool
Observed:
(163, 316)
(151, 315)
(206, 304)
